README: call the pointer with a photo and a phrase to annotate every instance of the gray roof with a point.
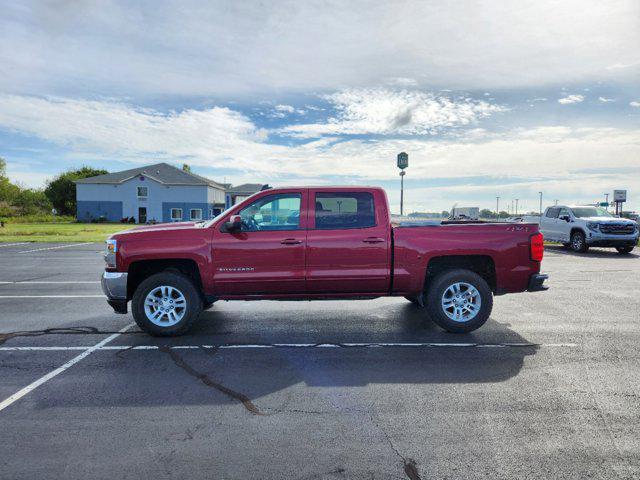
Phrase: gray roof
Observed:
(245, 188)
(161, 172)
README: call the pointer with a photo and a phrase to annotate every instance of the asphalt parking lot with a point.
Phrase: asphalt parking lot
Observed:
(548, 388)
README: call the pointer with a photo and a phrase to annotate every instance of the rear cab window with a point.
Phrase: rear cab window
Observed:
(552, 212)
(343, 210)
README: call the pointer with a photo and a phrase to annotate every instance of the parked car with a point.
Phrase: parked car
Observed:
(582, 226)
(316, 244)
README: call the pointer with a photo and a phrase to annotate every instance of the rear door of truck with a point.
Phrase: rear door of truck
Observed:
(348, 241)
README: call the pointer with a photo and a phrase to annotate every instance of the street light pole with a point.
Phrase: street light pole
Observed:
(517, 206)
(606, 197)
(403, 162)
(402, 174)
(497, 208)
(540, 203)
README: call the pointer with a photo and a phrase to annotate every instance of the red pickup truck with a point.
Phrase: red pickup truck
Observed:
(317, 243)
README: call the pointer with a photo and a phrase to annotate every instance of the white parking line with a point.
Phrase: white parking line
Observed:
(241, 346)
(55, 248)
(51, 296)
(12, 244)
(29, 388)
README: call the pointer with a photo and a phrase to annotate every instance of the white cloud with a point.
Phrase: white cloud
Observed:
(285, 108)
(209, 48)
(405, 112)
(571, 99)
(224, 139)
(606, 100)
(635, 104)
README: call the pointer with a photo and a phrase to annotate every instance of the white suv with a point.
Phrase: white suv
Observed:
(582, 226)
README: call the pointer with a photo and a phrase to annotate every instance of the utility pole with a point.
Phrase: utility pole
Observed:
(497, 208)
(556, 202)
(403, 162)
(517, 206)
(540, 203)
(606, 197)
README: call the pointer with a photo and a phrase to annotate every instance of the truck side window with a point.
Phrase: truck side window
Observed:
(342, 210)
(553, 212)
(272, 212)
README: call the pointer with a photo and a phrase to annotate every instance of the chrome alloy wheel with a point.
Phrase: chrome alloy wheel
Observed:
(461, 302)
(577, 242)
(165, 306)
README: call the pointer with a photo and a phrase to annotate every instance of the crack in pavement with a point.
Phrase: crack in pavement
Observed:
(410, 468)
(204, 378)
(51, 331)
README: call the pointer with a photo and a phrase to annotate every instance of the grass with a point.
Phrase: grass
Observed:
(59, 232)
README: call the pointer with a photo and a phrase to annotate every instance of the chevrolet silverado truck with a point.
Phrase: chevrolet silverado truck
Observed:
(317, 244)
(579, 227)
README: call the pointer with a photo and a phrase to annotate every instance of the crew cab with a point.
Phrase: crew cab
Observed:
(317, 243)
(582, 226)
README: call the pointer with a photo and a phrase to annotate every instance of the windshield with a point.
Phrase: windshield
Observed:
(583, 212)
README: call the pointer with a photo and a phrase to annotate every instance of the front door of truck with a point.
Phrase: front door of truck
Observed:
(347, 242)
(268, 255)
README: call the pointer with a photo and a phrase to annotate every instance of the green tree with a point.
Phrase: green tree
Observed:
(186, 168)
(486, 213)
(445, 213)
(8, 191)
(61, 191)
(29, 202)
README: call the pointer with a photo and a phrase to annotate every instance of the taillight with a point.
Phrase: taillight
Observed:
(537, 247)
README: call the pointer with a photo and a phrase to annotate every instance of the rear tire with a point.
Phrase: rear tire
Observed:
(579, 242)
(166, 304)
(624, 250)
(473, 302)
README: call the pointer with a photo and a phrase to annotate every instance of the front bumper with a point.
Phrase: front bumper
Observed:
(536, 282)
(597, 239)
(114, 286)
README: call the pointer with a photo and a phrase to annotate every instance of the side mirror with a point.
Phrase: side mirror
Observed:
(234, 224)
(566, 218)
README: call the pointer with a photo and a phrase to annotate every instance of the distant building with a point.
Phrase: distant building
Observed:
(160, 192)
(241, 192)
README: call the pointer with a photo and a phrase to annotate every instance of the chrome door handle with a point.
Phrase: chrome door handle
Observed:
(373, 240)
(291, 241)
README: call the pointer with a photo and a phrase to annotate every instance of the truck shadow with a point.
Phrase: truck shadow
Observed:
(218, 376)
(594, 252)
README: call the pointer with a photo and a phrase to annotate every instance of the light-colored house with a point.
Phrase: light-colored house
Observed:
(161, 193)
(241, 192)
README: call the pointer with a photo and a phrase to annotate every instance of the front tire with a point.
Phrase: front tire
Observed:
(459, 301)
(579, 242)
(413, 300)
(624, 250)
(166, 304)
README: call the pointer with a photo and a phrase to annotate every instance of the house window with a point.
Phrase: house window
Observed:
(176, 214)
(143, 192)
(195, 214)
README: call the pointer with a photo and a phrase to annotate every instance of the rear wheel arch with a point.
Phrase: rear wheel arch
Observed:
(483, 265)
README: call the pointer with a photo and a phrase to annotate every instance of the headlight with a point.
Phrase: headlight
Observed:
(593, 226)
(110, 254)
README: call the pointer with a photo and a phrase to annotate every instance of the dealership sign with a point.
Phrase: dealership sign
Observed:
(619, 195)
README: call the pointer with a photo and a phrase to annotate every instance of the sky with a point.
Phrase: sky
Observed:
(488, 98)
